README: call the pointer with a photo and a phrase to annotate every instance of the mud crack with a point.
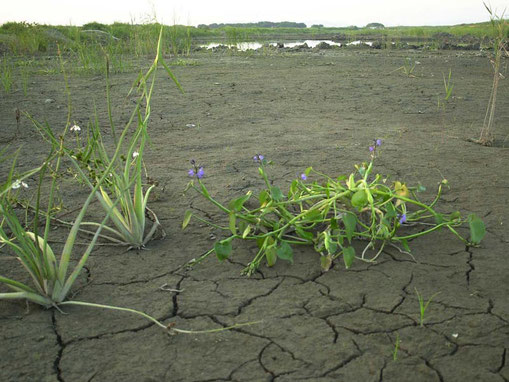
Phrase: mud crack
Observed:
(431, 367)
(502, 364)
(175, 297)
(342, 364)
(61, 347)
(250, 301)
(470, 265)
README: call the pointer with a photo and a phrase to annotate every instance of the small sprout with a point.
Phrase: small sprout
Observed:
(19, 183)
(75, 128)
(303, 176)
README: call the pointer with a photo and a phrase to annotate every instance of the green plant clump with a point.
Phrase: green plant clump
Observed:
(30, 244)
(330, 214)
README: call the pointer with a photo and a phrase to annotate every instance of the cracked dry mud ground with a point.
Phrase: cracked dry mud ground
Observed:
(318, 109)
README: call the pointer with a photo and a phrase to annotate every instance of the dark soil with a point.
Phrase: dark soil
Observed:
(320, 109)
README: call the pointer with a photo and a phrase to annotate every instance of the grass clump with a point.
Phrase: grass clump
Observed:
(500, 36)
(330, 214)
(6, 78)
(51, 276)
(448, 87)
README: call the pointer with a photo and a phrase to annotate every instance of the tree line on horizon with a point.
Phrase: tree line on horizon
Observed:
(259, 24)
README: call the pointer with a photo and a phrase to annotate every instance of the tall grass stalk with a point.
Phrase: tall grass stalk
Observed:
(448, 87)
(174, 32)
(6, 75)
(187, 41)
(500, 28)
(129, 220)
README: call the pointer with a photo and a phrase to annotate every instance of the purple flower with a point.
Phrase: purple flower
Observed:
(371, 148)
(402, 219)
(303, 176)
(196, 171)
(258, 158)
(378, 142)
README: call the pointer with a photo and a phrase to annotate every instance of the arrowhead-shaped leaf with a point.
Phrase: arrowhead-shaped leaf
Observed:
(477, 228)
(285, 252)
(348, 256)
(223, 249)
(350, 222)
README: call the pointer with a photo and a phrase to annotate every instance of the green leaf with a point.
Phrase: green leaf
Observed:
(187, 218)
(350, 182)
(334, 223)
(285, 252)
(405, 245)
(359, 199)
(391, 211)
(293, 188)
(246, 231)
(420, 188)
(204, 190)
(348, 256)
(263, 197)
(330, 245)
(233, 223)
(308, 170)
(271, 255)
(455, 215)
(439, 219)
(313, 215)
(477, 228)
(304, 234)
(326, 262)
(383, 231)
(223, 249)
(350, 222)
(238, 203)
(276, 193)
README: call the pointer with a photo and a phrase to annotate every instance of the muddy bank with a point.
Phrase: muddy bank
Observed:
(319, 109)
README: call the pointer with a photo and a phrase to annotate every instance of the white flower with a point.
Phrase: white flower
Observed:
(18, 183)
(455, 335)
(75, 128)
(135, 154)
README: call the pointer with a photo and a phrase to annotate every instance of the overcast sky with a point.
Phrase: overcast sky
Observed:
(194, 12)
